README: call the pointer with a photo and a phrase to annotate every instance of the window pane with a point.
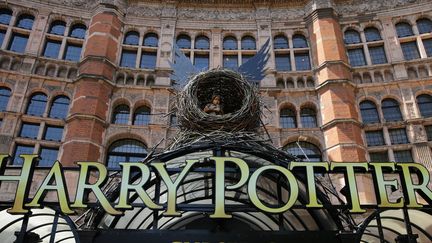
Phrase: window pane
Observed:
(131, 38)
(48, 156)
(57, 28)
(230, 43)
(398, 136)
(429, 132)
(288, 119)
(352, 37)
(53, 133)
(428, 47)
(121, 115)
(52, 49)
(356, 57)
(60, 108)
(424, 26)
(391, 110)
(246, 57)
(25, 21)
(201, 62)
(5, 16)
(230, 61)
(299, 41)
(369, 112)
(127, 150)
(283, 62)
(37, 105)
(78, 31)
(183, 41)
(29, 130)
(128, 59)
(302, 61)
(308, 117)
(403, 156)
(374, 138)
(425, 105)
(148, 60)
(4, 98)
(73, 52)
(151, 39)
(379, 156)
(173, 120)
(2, 36)
(202, 42)
(377, 54)
(142, 116)
(19, 150)
(280, 42)
(248, 43)
(410, 50)
(18, 43)
(304, 151)
(372, 34)
(404, 29)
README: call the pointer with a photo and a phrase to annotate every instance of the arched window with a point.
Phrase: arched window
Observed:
(202, 42)
(127, 150)
(288, 118)
(308, 117)
(299, 41)
(120, 114)
(25, 21)
(424, 103)
(183, 41)
(404, 29)
(424, 25)
(369, 112)
(37, 104)
(304, 151)
(230, 43)
(372, 34)
(5, 16)
(352, 37)
(142, 116)
(78, 31)
(391, 110)
(4, 98)
(60, 107)
(248, 43)
(280, 42)
(151, 39)
(131, 38)
(57, 27)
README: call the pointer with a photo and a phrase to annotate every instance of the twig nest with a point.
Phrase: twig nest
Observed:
(240, 103)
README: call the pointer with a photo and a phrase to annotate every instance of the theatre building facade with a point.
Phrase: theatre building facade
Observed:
(90, 80)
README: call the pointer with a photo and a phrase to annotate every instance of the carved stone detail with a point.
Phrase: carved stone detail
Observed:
(361, 6)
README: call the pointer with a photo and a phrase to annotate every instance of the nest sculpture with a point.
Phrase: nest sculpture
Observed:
(239, 100)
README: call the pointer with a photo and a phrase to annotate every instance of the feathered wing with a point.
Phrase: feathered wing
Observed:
(254, 68)
(182, 68)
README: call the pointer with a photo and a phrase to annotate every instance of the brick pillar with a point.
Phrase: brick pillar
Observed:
(340, 118)
(87, 120)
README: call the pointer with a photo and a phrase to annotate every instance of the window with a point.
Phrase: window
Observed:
(2, 36)
(369, 112)
(398, 136)
(4, 98)
(18, 43)
(148, 60)
(53, 133)
(356, 57)
(403, 156)
(36, 106)
(428, 47)
(424, 103)
(248, 43)
(52, 48)
(379, 156)
(29, 130)
(5, 16)
(304, 151)
(410, 50)
(372, 34)
(127, 150)
(246, 57)
(73, 52)
(202, 42)
(201, 61)
(60, 107)
(183, 41)
(230, 43)
(48, 156)
(25, 21)
(151, 39)
(299, 41)
(142, 116)
(404, 29)
(302, 61)
(120, 115)
(308, 117)
(283, 62)
(128, 59)
(230, 61)
(377, 55)
(280, 42)
(374, 138)
(352, 37)
(424, 26)
(391, 110)
(429, 132)
(19, 150)
(173, 120)
(78, 31)
(288, 118)
(131, 38)
(57, 28)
